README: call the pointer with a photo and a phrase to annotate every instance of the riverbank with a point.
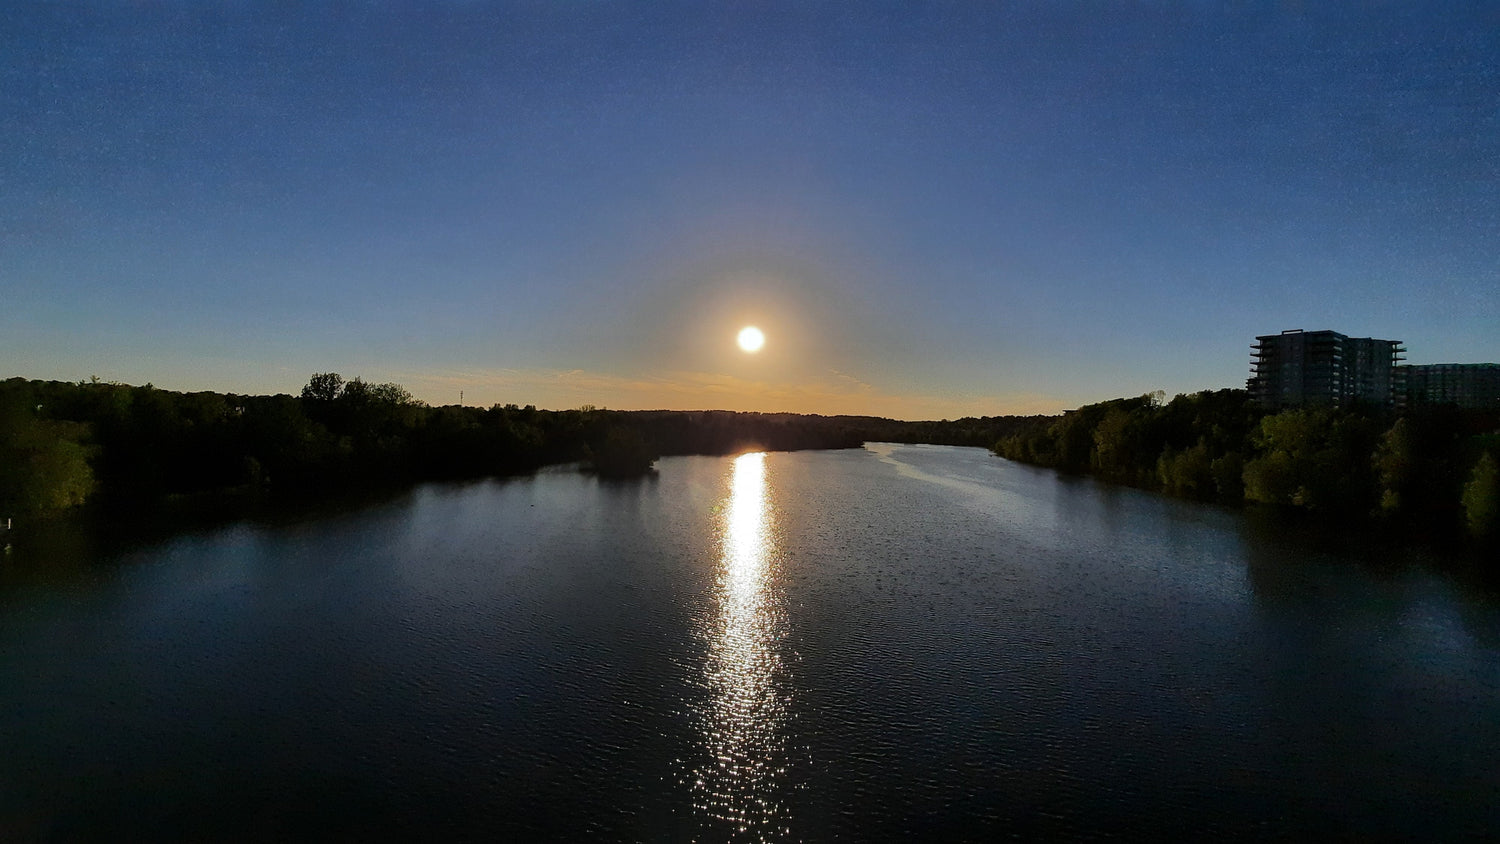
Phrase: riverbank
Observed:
(63, 445)
(1429, 470)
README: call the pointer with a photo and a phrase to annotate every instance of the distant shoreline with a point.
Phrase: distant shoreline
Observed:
(117, 444)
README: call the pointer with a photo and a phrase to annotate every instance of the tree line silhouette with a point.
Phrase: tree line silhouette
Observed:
(1424, 466)
(63, 444)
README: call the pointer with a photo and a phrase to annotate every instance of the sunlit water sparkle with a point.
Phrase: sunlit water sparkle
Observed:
(743, 735)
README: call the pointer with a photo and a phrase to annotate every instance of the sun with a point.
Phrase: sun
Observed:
(751, 339)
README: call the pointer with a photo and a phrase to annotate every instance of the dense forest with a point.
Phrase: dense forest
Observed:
(1423, 466)
(63, 444)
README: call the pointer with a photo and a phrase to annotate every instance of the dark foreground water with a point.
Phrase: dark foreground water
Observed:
(911, 643)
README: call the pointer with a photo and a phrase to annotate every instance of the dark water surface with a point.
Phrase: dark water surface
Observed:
(913, 643)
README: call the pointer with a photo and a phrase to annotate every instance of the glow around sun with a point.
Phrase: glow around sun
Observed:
(751, 338)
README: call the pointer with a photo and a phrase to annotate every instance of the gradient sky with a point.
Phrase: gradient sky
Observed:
(932, 210)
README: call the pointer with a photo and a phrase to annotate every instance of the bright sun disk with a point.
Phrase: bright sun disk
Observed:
(751, 338)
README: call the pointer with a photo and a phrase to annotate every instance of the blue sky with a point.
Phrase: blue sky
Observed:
(931, 210)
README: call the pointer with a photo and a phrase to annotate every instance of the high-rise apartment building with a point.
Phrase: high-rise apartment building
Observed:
(1469, 385)
(1325, 368)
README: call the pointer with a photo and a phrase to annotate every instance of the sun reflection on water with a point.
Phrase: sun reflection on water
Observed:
(736, 786)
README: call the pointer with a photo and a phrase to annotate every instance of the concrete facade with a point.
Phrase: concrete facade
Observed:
(1325, 369)
(1467, 385)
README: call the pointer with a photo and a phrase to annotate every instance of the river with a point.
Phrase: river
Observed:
(889, 643)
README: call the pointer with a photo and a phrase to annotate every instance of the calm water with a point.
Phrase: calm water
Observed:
(893, 643)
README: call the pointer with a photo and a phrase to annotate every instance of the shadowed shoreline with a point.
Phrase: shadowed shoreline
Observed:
(117, 445)
(117, 448)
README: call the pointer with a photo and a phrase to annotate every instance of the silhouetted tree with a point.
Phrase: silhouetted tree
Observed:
(324, 386)
(1187, 473)
(1229, 477)
(1315, 460)
(44, 464)
(623, 454)
(1394, 464)
(1481, 498)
